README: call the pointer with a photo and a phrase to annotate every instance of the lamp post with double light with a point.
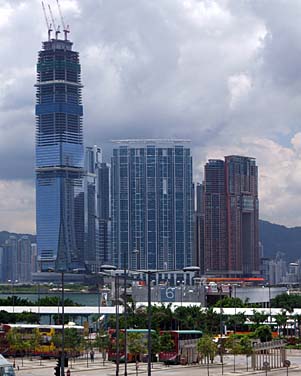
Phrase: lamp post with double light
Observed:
(149, 319)
(149, 274)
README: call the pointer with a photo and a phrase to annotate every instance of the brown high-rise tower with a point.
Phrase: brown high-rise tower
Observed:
(231, 217)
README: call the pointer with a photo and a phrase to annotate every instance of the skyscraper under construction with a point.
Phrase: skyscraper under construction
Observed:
(59, 156)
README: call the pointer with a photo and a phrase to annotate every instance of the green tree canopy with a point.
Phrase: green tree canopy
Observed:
(286, 301)
(207, 348)
(264, 333)
(258, 317)
(230, 302)
(136, 344)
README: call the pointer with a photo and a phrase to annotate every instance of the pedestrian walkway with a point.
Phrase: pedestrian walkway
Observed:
(84, 367)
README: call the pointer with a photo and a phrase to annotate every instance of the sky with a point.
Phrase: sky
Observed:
(224, 74)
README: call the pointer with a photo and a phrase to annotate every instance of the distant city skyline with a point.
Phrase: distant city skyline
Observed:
(223, 74)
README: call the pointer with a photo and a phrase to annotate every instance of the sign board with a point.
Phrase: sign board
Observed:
(286, 363)
(168, 294)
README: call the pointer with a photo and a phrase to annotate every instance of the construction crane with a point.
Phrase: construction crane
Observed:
(57, 29)
(49, 25)
(66, 28)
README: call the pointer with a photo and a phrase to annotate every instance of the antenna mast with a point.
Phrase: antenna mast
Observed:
(57, 29)
(49, 26)
(66, 28)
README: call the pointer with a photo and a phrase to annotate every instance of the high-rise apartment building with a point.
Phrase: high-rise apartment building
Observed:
(92, 160)
(59, 157)
(24, 259)
(199, 227)
(104, 210)
(9, 259)
(97, 209)
(215, 218)
(231, 217)
(152, 204)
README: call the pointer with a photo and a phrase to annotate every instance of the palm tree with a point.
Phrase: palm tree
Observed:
(281, 320)
(258, 318)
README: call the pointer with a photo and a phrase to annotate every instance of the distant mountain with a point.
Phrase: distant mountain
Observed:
(277, 238)
(5, 235)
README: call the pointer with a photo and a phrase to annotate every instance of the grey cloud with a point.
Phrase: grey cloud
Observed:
(162, 69)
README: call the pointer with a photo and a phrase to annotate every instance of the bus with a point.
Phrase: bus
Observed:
(45, 347)
(184, 350)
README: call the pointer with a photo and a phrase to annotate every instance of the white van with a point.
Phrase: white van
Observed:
(6, 368)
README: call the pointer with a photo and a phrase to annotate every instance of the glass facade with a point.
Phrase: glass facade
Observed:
(59, 158)
(97, 209)
(152, 204)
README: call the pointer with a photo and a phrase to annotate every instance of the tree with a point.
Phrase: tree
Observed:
(35, 340)
(281, 320)
(55, 301)
(233, 344)
(18, 344)
(258, 318)
(136, 344)
(28, 317)
(207, 348)
(211, 321)
(230, 302)
(15, 301)
(246, 347)
(264, 333)
(102, 341)
(162, 317)
(236, 320)
(287, 302)
(166, 342)
(73, 341)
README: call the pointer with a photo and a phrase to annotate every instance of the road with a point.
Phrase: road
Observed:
(79, 368)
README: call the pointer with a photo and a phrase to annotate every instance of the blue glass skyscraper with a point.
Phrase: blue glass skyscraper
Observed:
(59, 157)
(152, 204)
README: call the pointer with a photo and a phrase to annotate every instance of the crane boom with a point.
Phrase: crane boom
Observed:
(57, 29)
(49, 26)
(65, 27)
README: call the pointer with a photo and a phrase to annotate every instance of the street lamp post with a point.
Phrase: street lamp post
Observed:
(149, 312)
(149, 319)
(116, 279)
(39, 297)
(270, 307)
(117, 322)
(149, 323)
(234, 325)
(63, 327)
(221, 328)
(125, 317)
(12, 282)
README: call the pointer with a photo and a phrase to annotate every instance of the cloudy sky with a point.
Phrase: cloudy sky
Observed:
(225, 74)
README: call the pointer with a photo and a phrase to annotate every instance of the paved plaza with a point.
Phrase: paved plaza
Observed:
(81, 367)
